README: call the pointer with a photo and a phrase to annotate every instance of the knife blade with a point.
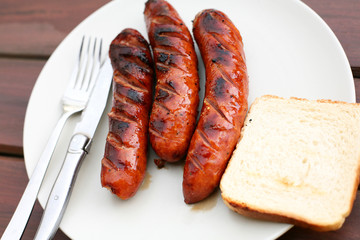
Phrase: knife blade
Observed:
(79, 146)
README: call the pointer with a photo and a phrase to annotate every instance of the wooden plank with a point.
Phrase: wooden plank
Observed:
(17, 78)
(357, 89)
(13, 180)
(37, 27)
(344, 19)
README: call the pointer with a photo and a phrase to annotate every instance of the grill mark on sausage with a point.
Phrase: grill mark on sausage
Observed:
(117, 144)
(181, 48)
(211, 22)
(171, 84)
(165, 31)
(193, 159)
(138, 48)
(131, 79)
(170, 50)
(120, 115)
(171, 64)
(204, 137)
(135, 96)
(159, 135)
(108, 163)
(167, 58)
(166, 28)
(113, 144)
(219, 88)
(124, 81)
(169, 87)
(224, 45)
(226, 77)
(161, 105)
(121, 126)
(126, 64)
(162, 67)
(121, 100)
(167, 40)
(126, 52)
(116, 141)
(167, 36)
(165, 19)
(163, 57)
(157, 125)
(224, 48)
(129, 52)
(217, 109)
(155, 132)
(161, 95)
(221, 18)
(118, 166)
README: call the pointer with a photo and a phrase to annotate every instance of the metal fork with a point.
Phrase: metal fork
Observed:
(74, 100)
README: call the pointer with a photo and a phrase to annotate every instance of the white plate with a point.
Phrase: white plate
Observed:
(290, 52)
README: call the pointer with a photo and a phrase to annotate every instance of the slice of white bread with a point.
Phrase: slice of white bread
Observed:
(297, 161)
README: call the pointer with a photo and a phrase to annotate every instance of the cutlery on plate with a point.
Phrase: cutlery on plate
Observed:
(78, 148)
(74, 100)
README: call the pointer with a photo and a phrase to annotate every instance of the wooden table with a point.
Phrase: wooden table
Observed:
(29, 33)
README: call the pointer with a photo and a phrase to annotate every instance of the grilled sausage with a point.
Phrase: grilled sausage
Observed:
(124, 163)
(174, 110)
(224, 107)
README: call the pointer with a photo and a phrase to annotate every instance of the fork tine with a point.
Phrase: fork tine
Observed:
(83, 61)
(90, 67)
(96, 65)
(75, 72)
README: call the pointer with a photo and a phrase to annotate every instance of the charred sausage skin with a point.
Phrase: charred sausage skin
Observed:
(124, 163)
(174, 110)
(224, 106)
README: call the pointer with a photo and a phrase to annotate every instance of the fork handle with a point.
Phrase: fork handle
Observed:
(19, 220)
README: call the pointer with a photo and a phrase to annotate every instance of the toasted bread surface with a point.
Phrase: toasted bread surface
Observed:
(297, 161)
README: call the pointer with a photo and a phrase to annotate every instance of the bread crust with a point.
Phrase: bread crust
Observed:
(247, 211)
(269, 96)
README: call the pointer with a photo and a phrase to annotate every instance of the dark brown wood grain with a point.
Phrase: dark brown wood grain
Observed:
(17, 78)
(35, 28)
(13, 180)
(357, 89)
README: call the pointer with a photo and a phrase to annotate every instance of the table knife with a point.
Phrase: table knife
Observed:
(78, 148)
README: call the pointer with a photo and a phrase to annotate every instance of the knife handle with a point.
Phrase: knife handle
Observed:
(61, 191)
